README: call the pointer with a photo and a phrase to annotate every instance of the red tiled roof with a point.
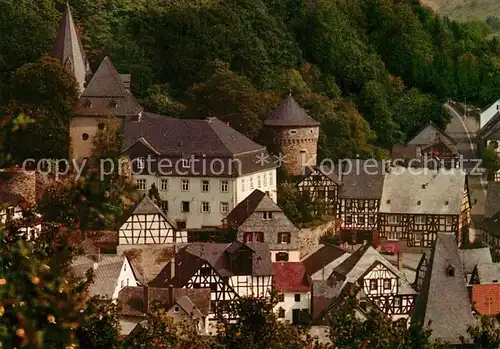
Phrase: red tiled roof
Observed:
(486, 299)
(290, 277)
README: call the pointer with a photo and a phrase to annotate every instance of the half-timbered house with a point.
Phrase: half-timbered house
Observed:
(359, 197)
(11, 213)
(322, 183)
(148, 224)
(230, 270)
(489, 138)
(259, 220)
(418, 204)
(491, 221)
(377, 283)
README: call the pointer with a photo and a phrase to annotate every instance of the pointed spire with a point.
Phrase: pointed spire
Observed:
(68, 49)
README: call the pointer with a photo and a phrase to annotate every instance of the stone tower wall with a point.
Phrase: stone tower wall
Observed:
(293, 140)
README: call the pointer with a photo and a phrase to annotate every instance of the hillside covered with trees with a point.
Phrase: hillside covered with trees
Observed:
(372, 71)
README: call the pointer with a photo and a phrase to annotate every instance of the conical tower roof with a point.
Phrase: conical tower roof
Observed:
(290, 113)
(68, 49)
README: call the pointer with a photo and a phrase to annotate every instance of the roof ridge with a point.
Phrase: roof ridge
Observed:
(209, 122)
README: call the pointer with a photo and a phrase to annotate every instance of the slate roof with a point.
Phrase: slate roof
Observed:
(68, 47)
(472, 257)
(144, 207)
(438, 191)
(190, 258)
(444, 299)
(404, 152)
(492, 205)
(323, 292)
(323, 257)
(131, 300)
(105, 276)
(257, 201)
(333, 173)
(290, 113)
(490, 127)
(362, 179)
(290, 277)
(362, 260)
(488, 273)
(106, 87)
(431, 134)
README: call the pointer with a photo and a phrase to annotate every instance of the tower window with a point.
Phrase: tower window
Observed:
(312, 130)
(101, 126)
(85, 136)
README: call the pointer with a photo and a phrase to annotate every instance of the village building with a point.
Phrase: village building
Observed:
(489, 133)
(431, 148)
(373, 280)
(491, 220)
(470, 258)
(443, 302)
(294, 292)
(419, 204)
(230, 270)
(296, 135)
(183, 305)
(485, 288)
(322, 184)
(259, 220)
(489, 113)
(111, 274)
(202, 168)
(359, 199)
(319, 264)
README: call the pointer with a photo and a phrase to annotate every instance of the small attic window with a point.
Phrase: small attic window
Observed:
(446, 202)
(388, 201)
(113, 104)
(292, 132)
(450, 270)
(419, 202)
(424, 186)
(87, 104)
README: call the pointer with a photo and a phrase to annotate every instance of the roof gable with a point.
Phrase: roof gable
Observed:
(106, 82)
(290, 277)
(492, 199)
(429, 134)
(490, 127)
(290, 113)
(245, 208)
(146, 207)
(362, 179)
(322, 257)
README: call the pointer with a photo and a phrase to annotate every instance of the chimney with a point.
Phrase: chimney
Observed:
(172, 266)
(146, 299)
(170, 295)
(98, 254)
(400, 261)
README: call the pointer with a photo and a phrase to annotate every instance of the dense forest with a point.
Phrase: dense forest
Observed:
(372, 71)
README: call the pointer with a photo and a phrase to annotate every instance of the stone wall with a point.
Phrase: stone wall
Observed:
(292, 141)
(309, 238)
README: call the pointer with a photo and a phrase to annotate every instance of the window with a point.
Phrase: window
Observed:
(127, 281)
(176, 309)
(281, 297)
(141, 184)
(373, 285)
(243, 184)
(185, 163)
(361, 220)
(181, 224)
(387, 284)
(397, 302)
(348, 205)
(224, 207)
(251, 182)
(224, 186)
(283, 238)
(164, 184)
(185, 185)
(205, 271)
(267, 215)
(348, 219)
(420, 219)
(87, 104)
(292, 132)
(372, 205)
(394, 219)
(265, 180)
(141, 163)
(213, 287)
(281, 313)
(204, 186)
(113, 105)
(164, 205)
(101, 126)
(122, 283)
(449, 220)
(271, 181)
(371, 220)
(258, 182)
(205, 207)
(185, 206)
(124, 267)
(253, 237)
(450, 270)
(85, 136)
(361, 204)
(297, 297)
(281, 257)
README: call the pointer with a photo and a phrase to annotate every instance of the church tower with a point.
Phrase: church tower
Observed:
(296, 134)
(68, 49)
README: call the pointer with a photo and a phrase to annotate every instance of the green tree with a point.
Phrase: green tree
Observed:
(490, 160)
(486, 332)
(154, 194)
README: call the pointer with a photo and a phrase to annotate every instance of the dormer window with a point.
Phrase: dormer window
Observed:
(141, 163)
(185, 163)
(113, 105)
(87, 104)
(450, 271)
(267, 215)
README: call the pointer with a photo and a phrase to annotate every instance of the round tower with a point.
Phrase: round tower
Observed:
(295, 134)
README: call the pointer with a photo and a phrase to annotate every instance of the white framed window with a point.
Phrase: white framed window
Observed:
(141, 163)
(163, 184)
(205, 186)
(128, 282)
(185, 185)
(387, 284)
(259, 183)
(393, 219)
(251, 182)
(125, 267)
(122, 283)
(449, 220)
(265, 180)
(205, 207)
(176, 309)
(243, 185)
(141, 184)
(224, 186)
(267, 215)
(185, 163)
(420, 219)
(224, 207)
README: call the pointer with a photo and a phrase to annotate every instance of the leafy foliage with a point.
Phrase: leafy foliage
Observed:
(486, 332)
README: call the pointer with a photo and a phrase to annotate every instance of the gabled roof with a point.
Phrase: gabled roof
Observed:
(144, 207)
(290, 113)
(444, 299)
(488, 273)
(257, 201)
(68, 49)
(323, 257)
(290, 277)
(492, 205)
(332, 173)
(362, 179)
(431, 134)
(474, 256)
(490, 127)
(105, 276)
(361, 261)
(105, 89)
(423, 191)
(131, 300)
